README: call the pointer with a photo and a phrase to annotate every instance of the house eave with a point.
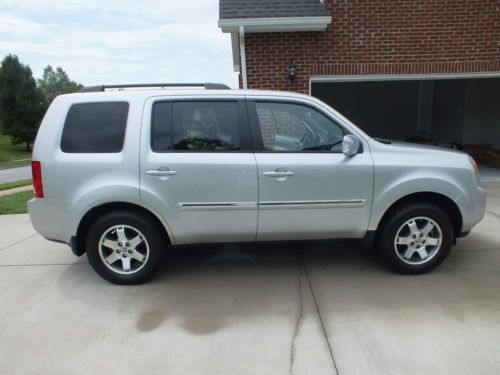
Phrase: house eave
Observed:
(275, 24)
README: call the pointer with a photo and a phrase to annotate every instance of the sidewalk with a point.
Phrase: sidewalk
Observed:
(16, 190)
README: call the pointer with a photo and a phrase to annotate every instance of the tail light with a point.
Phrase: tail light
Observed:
(36, 170)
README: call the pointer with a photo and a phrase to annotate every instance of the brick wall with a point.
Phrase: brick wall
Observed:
(381, 37)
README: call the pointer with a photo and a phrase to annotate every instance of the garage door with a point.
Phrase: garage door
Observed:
(442, 111)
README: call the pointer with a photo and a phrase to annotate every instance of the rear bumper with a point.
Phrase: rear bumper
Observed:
(50, 219)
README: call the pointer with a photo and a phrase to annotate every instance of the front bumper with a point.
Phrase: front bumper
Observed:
(473, 207)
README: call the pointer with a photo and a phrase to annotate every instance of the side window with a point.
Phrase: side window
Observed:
(161, 127)
(211, 126)
(95, 128)
(289, 127)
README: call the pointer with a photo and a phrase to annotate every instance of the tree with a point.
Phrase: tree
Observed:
(56, 83)
(21, 103)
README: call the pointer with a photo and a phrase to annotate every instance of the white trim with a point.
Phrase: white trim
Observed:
(399, 77)
(283, 24)
(243, 58)
(236, 52)
(403, 77)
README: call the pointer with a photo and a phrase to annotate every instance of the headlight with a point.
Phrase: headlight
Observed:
(474, 166)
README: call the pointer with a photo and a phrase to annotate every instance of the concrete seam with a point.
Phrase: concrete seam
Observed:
(44, 264)
(493, 213)
(15, 243)
(297, 323)
(320, 318)
(476, 250)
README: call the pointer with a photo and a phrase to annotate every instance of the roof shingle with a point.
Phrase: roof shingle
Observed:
(229, 9)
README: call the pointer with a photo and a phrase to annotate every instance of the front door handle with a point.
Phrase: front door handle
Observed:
(278, 174)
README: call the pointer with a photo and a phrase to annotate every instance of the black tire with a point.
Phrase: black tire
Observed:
(153, 245)
(397, 220)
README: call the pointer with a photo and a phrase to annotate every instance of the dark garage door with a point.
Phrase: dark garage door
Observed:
(466, 111)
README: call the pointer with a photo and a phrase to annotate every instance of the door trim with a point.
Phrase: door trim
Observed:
(348, 203)
(216, 206)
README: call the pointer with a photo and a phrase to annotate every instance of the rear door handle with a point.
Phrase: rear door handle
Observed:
(160, 173)
(278, 174)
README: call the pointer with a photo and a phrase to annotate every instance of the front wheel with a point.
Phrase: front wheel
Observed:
(124, 247)
(416, 238)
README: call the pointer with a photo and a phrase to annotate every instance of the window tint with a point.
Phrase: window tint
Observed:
(293, 127)
(205, 126)
(161, 127)
(95, 128)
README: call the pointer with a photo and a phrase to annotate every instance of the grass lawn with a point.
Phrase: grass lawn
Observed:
(15, 203)
(12, 185)
(13, 156)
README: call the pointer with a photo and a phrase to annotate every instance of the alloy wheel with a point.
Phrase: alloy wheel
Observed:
(123, 249)
(418, 240)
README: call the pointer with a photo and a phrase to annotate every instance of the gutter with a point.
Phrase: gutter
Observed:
(243, 57)
(239, 26)
(277, 24)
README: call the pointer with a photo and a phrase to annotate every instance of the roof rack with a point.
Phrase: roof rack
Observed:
(207, 86)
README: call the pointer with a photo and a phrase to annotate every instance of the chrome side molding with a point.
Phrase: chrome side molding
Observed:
(353, 203)
(271, 205)
(217, 206)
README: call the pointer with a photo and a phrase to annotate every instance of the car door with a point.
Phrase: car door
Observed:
(197, 168)
(308, 189)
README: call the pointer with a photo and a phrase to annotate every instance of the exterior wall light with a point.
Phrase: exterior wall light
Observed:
(292, 71)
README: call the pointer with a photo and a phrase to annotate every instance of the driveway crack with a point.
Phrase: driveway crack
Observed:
(297, 322)
(320, 318)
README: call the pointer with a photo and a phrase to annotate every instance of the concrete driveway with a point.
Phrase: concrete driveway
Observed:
(320, 308)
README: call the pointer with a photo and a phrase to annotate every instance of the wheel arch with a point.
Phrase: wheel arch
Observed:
(440, 200)
(78, 243)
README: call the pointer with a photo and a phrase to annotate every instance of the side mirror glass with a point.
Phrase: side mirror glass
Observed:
(350, 145)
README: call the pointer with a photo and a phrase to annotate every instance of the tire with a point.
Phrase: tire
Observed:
(404, 238)
(125, 247)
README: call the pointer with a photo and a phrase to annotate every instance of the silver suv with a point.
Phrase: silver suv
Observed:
(124, 173)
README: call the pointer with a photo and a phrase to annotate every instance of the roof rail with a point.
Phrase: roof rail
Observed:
(207, 86)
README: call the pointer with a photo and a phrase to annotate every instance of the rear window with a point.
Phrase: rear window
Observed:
(95, 128)
(195, 126)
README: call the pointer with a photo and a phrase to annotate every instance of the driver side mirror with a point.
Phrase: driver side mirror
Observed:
(350, 145)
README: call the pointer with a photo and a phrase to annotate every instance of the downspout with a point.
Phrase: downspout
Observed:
(243, 58)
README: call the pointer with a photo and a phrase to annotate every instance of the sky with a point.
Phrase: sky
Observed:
(119, 41)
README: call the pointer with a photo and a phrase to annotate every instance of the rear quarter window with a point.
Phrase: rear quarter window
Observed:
(95, 128)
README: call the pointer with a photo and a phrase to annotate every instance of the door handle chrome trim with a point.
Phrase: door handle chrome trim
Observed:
(278, 174)
(159, 173)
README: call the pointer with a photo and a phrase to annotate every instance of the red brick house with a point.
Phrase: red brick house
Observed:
(396, 68)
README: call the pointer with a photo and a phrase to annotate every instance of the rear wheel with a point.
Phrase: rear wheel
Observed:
(416, 238)
(125, 247)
